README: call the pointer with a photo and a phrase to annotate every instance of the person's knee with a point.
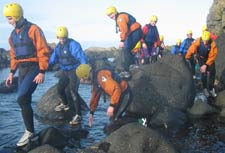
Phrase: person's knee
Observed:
(23, 101)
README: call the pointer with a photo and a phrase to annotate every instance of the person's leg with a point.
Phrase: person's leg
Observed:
(123, 104)
(129, 44)
(211, 79)
(25, 90)
(204, 84)
(212, 72)
(61, 86)
(192, 61)
(74, 85)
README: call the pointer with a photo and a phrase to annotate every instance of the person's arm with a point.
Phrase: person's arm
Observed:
(144, 33)
(13, 61)
(122, 21)
(192, 49)
(95, 96)
(182, 46)
(43, 52)
(78, 52)
(212, 54)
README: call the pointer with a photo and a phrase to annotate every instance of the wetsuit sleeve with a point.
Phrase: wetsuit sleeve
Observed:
(122, 21)
(53, 58)
(43, 51)
(212, 54)
(13, 61)
(193, 48)
(95, 96)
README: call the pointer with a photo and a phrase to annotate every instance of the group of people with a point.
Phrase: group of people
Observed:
(140, 45)
(200, 55)
(30, 54)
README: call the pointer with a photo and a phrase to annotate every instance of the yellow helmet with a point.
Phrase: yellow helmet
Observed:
(178, 41)
(83, 71)
(137, 47)
(189, 32)
(204, 28)
(153, 18)
(111, 10)
(13, 10)
(205, 36)
(161, 37)
(62, 32)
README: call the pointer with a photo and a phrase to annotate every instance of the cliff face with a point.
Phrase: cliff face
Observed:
(216, 17)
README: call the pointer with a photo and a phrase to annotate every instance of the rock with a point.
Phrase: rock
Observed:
(132, 138)
(220, 66)
(12, 88)
(45, 108)
(165, 86)
(4, 58)
(45, 149)
(200, 109)
(216, 17)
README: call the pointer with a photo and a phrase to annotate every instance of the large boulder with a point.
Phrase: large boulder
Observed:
(165, 87)
(216, 17)
(99, 52)
(45, 108)
(12, 88)
(220, 66)
(132, 138)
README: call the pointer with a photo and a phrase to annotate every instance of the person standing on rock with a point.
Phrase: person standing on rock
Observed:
(186, 43)
(206, 50)
(106, 81)
(69, 54)
(130, 34)
(150, 39)
(29, 53)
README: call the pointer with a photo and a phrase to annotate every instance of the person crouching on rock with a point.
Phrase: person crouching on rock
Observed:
(105, 80)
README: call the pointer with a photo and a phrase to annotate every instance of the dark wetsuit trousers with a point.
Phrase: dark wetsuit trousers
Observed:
(127, 57)
(208, 78)
(26, 87)
(69, 82)
(123, 104)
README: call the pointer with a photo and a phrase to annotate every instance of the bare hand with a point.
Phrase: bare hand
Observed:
(110, 111)
(39, 78)
(144, 45)
(9, 79)
(90, 120)
(203, 68)
(121, 44)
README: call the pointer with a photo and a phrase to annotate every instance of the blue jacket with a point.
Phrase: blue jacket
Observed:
(69, 56)
(185, 45)
(175, 49)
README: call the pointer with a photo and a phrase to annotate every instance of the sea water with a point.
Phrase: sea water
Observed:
(201, 137)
